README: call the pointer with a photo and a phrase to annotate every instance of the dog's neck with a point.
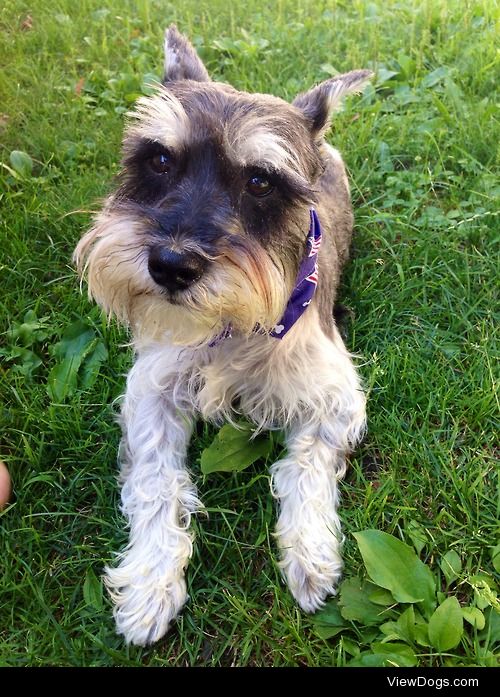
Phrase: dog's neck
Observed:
(303, 291)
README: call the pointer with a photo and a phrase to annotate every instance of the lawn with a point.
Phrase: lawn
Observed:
(421, 146)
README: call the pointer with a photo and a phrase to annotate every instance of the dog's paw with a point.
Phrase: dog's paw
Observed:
(311, 574)
(145, 605)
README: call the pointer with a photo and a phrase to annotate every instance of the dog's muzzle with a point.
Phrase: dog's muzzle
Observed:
(173, 270)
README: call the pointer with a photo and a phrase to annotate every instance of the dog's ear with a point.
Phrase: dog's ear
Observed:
(319, 103)
(181, 60)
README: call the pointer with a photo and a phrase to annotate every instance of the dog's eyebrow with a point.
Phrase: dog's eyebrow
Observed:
(161, 119)
(261, 146)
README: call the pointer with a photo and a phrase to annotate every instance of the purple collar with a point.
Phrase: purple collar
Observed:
(305, 286)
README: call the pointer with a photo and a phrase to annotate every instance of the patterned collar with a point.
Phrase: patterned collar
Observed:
(303, 291)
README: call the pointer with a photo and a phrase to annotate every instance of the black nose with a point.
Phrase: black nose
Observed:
(174, 270)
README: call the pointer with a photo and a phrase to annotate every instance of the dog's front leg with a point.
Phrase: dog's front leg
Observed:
(306, 481)
(158, 498)
(308, 529)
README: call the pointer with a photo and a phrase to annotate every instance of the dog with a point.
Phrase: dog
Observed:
(221, 249)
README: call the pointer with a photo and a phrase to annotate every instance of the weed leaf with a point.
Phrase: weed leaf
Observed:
(70, 351)
(451, 566)
(233, 451)
(328, 622)
(355, 605)
(92, 363)
(492, 628)
(386, 655)
(92, 590)
(393, 565)
(432, 79)
(495, 556)
(417, 535)
(474, 616)
(30, 331)
(21, 162)
(397, 654)
(446, 625)
(380, 596)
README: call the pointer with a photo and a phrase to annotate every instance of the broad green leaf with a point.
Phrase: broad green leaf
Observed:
(393, 565)
(421, 632)
(380, 596)
(76, 342)
(21, 162)
(61, 381)
(326, 632)
(446, 625)
(92, 590)
(410, 628)
(417, 535)
(474, 616)
(390, 630)
(495, 556)
(406, 625)
(329, 614)
(407, 64)
(432, 79)
(90, 366)
(383, 75)
(401, 654)
(367, 659)
(451, 566)
(328, 69)
(232, 450)
(355, 605)
(328, 622)
(492, 628)
(386, 655)
(351, 647)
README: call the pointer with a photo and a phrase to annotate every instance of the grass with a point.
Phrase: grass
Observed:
(421, 148)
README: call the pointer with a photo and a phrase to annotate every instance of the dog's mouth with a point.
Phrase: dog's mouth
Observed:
(174, 297)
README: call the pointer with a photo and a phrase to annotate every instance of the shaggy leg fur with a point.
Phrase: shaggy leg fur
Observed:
(306, 481)
(308, 528)
(158, 498)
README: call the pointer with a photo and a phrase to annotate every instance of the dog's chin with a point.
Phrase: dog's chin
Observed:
(174, 298)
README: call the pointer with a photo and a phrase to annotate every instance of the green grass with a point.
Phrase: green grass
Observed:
(421, 149)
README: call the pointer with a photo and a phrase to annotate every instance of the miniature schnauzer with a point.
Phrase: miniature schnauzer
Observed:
(222, 250)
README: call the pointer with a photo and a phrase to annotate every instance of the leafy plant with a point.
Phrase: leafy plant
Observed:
(233, 449)
(27, 338)
(400, 599)
(78, 355)
(21, 163)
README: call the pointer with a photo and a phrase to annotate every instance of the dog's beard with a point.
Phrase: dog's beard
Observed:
(245, 286)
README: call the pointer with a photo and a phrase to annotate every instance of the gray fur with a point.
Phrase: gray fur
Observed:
(181, 59)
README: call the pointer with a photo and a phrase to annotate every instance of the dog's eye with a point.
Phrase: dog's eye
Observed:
(259, 185)
(160, 164)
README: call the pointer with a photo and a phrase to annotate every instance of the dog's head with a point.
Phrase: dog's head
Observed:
(208, 225)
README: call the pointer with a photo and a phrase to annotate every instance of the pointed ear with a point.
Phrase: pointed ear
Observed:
(181, 60)
(320, 102)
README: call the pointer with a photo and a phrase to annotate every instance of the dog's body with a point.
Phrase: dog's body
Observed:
(198, 252)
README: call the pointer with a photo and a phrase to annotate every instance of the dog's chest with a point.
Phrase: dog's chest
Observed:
(243, 377)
